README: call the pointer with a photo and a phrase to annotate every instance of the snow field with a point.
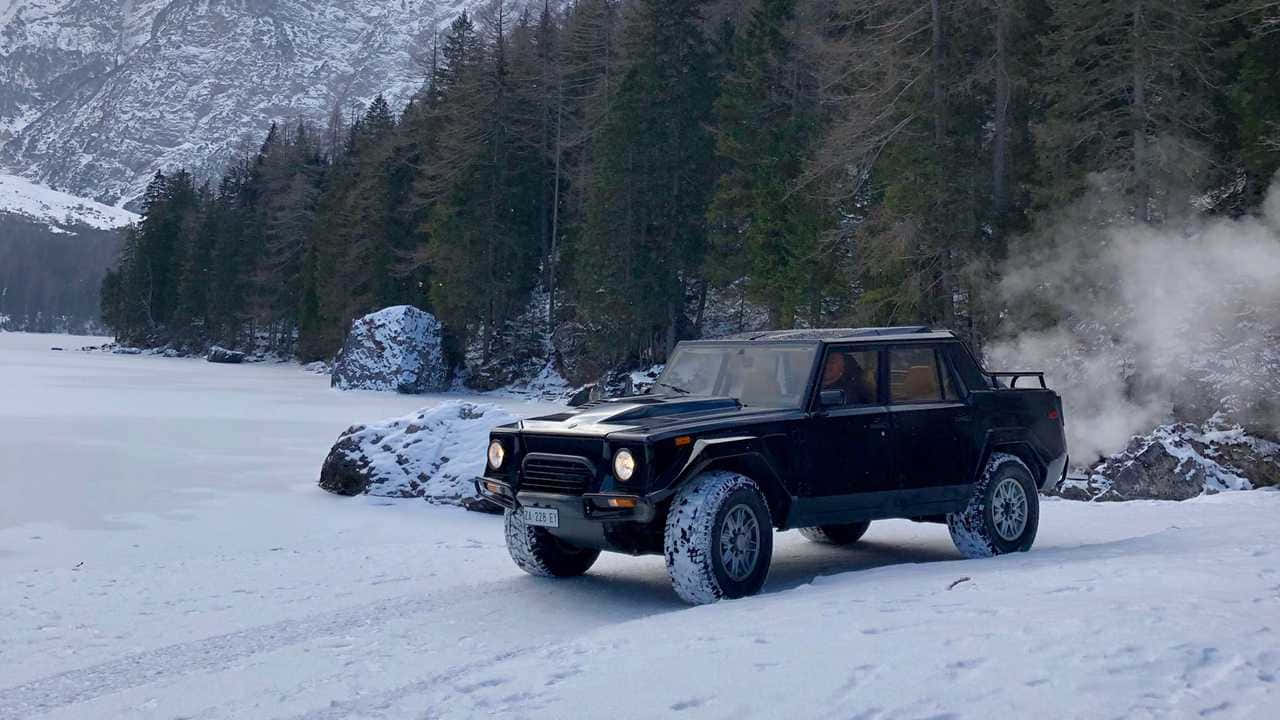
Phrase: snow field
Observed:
(23, 197)
(164, 552)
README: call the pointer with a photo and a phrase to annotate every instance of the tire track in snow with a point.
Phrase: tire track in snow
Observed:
(344, 709)
(220, 652)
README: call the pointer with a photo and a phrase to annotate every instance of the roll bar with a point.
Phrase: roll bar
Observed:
(1014, 376)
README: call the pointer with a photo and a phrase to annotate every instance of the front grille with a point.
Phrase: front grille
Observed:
(560, 474)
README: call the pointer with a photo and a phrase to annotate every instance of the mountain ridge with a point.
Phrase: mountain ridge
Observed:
(97, 95)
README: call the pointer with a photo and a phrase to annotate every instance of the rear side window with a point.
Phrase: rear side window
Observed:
(914, 376)
(960, 361)
(857, 374)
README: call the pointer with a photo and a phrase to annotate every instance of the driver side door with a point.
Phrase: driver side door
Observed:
(850, 442)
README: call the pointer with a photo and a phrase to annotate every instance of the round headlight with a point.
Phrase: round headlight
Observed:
(624, 465)
(497, 454)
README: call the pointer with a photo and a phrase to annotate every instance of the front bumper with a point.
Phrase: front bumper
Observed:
(595, 507)
(609, 521)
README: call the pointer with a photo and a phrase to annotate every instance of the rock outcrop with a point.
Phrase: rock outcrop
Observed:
(435, 454)
(1180, 461)
(398, 348)
(223, 355)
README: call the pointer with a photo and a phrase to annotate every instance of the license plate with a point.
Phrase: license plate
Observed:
(542, 517)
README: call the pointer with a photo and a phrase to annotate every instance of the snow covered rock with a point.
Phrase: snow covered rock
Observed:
(583, 395)
(1180, 461)
(434, 453)
(223, 355)
(397, 348)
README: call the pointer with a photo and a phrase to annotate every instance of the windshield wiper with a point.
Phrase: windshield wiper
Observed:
(679, 390)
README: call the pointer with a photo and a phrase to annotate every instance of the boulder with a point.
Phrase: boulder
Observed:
(1151, 471)
(223, 355)
(583, 395)
(397, 348)
(1180, 461)
(435, 453)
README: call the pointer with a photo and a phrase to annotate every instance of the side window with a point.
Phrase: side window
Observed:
(855, 373)
(949, 390)
(913, 375)
(964, 366)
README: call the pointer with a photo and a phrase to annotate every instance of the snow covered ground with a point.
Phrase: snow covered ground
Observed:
(164, 552)
(37, 202)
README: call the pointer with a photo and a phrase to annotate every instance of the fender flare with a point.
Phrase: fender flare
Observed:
(1017, 442)
(745, 454)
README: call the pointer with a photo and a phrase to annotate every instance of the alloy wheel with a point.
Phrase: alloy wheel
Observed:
(1009, 509)
(739, 542)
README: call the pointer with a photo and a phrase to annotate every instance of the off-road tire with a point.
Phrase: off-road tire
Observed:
(540, 553)
(975, 530)
(836, 534)
(700, 513)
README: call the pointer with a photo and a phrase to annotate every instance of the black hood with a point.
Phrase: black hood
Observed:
(641, 412)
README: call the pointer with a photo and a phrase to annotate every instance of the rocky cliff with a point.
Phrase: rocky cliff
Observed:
(96, 95)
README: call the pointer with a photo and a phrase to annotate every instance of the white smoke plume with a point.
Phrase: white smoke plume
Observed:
(1141, 324)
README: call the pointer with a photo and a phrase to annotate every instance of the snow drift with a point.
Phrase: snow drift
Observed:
(397, 348)
(434, 453)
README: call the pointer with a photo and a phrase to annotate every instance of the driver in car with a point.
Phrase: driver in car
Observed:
(843, 372)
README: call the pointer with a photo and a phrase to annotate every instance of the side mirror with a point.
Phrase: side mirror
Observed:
(831, 398)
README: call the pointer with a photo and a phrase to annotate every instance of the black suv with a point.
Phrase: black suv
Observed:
(821, 430)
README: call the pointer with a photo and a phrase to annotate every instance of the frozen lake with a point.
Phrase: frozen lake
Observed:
(164, 553)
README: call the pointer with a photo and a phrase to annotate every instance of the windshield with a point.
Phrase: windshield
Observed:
(757, 375)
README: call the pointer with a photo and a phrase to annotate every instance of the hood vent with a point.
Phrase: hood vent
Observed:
(628, 409)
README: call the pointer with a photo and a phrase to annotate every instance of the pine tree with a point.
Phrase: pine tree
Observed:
(1254, 96)
(1128, 95)
(481, 233)
(769, 230)
(922, 147)
(643, 236)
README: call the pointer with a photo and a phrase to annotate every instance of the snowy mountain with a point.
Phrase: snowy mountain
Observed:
(58, 210)
(96, 95)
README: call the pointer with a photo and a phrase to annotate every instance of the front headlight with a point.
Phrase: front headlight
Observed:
(624, 465)
(497, 454)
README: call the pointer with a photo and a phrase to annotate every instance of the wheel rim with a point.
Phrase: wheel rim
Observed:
(739, 542)
(1009, 509)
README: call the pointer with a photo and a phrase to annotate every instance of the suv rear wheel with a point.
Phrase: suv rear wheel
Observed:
(836, 534)
(1003, 514)
(540, 553)
(719, 538)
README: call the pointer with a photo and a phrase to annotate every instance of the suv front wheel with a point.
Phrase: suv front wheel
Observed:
(540, 553)
(719, 538)
(1003, 514)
